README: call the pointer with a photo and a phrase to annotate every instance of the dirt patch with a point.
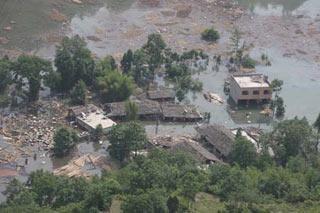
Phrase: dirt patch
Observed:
(8, 173)
(183, 10)
(57, 16)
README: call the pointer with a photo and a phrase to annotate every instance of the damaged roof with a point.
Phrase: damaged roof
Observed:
(219, 136)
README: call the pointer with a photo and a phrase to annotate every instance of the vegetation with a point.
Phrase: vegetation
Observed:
(74, 62)
(64, 140)
(132, 111)
(113, 86)
(34, 69)
(210, 35)
(248, 62)
(98, 133)
(126, 138)
(78, 94)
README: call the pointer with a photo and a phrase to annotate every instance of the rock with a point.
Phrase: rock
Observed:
(93, 38)
(183, 10)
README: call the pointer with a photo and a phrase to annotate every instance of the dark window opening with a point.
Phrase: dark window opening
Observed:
(256, 92)
(245, 93)
(266, 92)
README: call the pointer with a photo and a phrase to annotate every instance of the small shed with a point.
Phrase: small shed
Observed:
(218, 138)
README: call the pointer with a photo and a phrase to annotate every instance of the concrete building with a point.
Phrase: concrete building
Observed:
(250, 87)
(89, 117)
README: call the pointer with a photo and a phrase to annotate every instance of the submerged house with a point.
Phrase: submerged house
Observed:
(89, 117)
(218, 139)
(147, 110)
(161, 94)
(250, 87)
(180, 113)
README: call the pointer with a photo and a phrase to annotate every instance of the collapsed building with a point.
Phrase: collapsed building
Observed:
(186, 144)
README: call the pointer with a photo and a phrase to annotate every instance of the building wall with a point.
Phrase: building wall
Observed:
(236, 93)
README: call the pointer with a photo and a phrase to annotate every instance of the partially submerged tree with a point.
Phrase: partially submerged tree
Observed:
(78, 94)
(74, 62)
(64, 140)
(125, 138)
(34, 70)
(113, 86)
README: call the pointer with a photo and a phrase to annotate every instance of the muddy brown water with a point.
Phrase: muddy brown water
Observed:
(113, 26)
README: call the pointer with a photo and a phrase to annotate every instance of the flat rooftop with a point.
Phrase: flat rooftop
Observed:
(95, 118)
(251, 81)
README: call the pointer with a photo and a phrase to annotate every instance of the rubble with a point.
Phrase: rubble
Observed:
(85, 166)
(26, 133)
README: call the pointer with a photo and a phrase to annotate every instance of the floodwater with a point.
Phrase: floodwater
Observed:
(282, 7)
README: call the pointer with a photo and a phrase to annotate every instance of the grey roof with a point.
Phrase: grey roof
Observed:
(161, 93)
(145, 107)
(179, 111)
(187, 144)
(219, 136)
(89, 108)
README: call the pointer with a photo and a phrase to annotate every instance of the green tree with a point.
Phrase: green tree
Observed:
(100, 194)
(5, 74)
(98, 133)
(107, 64)
(74, 62)
(34, 69)
(140, 70)
(113, 86)
(126, 62)
(154, 48)
(291, 138)
(148, 202)
(276, 85)
(173, 204)
(243, 152)
(316, 125)
(78, 94)
(210, 35)
(125, 138)
(64, 140)
(131, 111)
(248, 62)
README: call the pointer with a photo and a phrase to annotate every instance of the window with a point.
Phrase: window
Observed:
(245, 93)
(256, 92)
(266, 92)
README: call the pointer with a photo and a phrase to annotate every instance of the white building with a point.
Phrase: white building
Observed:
(250, 87)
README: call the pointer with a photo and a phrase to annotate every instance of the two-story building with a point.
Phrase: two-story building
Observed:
(250, 87)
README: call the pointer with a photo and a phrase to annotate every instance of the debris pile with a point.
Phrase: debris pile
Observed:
(183, 10)
(27, 133)
(85, 166)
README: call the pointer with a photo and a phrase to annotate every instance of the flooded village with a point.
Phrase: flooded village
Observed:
(276, 77)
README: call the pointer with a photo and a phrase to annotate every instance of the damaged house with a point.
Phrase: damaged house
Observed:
(218, 139)
(89, 117)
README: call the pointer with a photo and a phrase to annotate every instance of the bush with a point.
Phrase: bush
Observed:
(248, 62)
(210, 35)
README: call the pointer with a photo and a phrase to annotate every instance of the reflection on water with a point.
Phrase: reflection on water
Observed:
(281, 7)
